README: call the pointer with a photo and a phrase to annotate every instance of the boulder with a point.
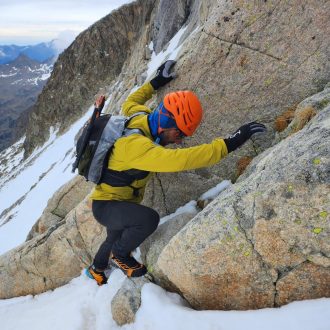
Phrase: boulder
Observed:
(265, 241)
(127, 300)
(62, 202)
(53, 258)
(152, 247)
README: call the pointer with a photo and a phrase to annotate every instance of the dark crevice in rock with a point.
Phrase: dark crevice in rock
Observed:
(37, 271)
(20, 265)
(57, 214)
(283, 272)
(255, 148)
(163, 193)
(240, 44)
(323, 254)
(229, 49)
(187, 12)
(71, 246)
(265, 266)
(43, 239)
(54, 211)
(276, 293)
(86, 262)
(81, 237)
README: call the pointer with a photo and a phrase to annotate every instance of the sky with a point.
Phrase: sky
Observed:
(28, 22)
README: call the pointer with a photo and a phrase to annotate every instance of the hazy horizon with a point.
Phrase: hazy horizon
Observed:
(30, 22)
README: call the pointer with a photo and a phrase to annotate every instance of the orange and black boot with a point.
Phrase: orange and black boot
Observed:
(99, 277)
(129, 266)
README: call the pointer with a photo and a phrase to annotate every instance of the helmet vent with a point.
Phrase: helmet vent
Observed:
(186, 109)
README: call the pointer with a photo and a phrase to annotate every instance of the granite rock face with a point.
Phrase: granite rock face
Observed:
(246, 61)
(264, 242)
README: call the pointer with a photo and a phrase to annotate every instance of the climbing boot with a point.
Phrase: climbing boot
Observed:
(99, 277)
(129, 266)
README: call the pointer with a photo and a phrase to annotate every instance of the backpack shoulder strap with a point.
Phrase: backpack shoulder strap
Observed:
(135, 115)
(129, 131)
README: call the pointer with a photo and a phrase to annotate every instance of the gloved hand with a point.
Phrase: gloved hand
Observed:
(163, 75)
(238, 138)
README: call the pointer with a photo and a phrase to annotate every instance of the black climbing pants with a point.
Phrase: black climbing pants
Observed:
(128, 225)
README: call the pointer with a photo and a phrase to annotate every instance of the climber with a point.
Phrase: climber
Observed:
(137, 156)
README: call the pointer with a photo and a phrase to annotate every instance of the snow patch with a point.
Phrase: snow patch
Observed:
(215, 191)
(82, 304)
(190, 207)
(169, 53)
(8, 75)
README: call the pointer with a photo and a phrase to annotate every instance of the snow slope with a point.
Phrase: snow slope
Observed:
(81, 304)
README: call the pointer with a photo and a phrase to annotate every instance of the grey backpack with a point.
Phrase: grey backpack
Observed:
(94, 146)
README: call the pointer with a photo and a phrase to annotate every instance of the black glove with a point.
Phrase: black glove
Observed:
(163, 75)
(238, 138)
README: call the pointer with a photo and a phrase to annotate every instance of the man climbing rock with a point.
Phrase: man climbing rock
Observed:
(135, 157)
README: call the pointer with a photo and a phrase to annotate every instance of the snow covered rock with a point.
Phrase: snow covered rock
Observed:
(127, 300)
(53, 258)
(265, 241)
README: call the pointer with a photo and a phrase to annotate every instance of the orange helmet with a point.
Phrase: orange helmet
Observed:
(186, 109)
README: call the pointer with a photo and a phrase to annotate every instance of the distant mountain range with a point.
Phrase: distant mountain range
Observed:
(21, 81)
(40, 52)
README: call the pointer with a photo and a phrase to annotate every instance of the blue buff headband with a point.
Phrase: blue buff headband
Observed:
(160, 119)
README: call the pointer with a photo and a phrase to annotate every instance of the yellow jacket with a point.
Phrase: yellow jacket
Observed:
(140, 152)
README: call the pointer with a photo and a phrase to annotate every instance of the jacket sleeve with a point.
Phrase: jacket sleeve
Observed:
(135, 101)
(143, 154)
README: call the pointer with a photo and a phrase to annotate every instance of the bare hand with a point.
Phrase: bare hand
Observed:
(99, 103)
